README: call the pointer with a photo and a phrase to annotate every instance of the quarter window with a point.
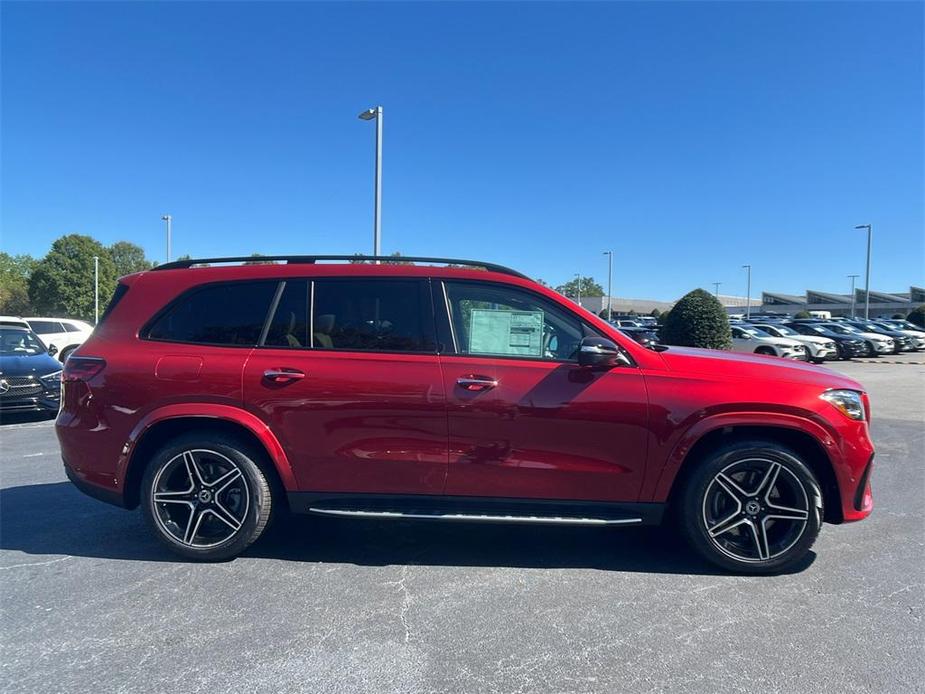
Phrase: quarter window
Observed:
(497, 320)
(231, 313)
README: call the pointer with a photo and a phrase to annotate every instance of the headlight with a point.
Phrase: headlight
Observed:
(848, 401)
(52, 380)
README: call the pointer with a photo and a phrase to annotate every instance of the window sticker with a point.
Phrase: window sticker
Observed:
(501, 332)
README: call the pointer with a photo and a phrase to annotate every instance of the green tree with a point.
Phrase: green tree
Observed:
(697, 320)
(655, 313)
(803, 314)
(129, 257)
(257, 260)
(62, 282)
(917, 316)
(397, 261)
(588, 287)
(15, 271)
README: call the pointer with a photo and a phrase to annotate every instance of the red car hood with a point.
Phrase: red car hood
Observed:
(733, 365)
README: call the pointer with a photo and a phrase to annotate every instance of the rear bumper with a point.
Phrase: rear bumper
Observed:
(110, 496)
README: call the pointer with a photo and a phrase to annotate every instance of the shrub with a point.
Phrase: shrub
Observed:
(697, 320)
(917, 316)
(804, 314)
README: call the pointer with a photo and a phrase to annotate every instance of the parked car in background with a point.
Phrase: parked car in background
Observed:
(901, 343)
(30, 376)
(848, 346)
(14, 321)
(64, 334)
(915, 338)
(818, 348)
(747, 338)
(644, 336)
(626, 323)
(650, 322)
(877, 343)
(902, 324)
(223, 394)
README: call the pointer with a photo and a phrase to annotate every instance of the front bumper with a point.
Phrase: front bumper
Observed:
(42, 402)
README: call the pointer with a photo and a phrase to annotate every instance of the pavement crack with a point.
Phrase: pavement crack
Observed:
(35, 563)
(407, 600)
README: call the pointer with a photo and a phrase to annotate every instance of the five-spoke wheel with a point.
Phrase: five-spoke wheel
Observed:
(752, 506)
(206, 497)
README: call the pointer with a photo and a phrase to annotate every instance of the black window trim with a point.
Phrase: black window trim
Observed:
(586, 329)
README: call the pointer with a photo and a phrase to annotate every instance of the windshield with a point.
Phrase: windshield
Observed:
(19, 342)
(754, 332)
(870, 327)
(841, 329)
(780, 330)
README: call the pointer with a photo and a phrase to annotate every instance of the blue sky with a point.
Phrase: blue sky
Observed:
(689, 138)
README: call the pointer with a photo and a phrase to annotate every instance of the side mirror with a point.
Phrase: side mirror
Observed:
(599, 351)
(52, 351)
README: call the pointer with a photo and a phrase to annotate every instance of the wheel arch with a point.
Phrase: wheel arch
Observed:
(806, 445)
(155, 429)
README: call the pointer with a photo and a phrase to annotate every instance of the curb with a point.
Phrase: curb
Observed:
(888, 361)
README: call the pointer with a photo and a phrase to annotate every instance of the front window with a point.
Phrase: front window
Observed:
(504, 321)
(20, 342)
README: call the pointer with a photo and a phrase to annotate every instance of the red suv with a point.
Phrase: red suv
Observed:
(216, 393)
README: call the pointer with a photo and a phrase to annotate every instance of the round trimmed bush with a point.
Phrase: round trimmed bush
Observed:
(917, 316)
(697, 320)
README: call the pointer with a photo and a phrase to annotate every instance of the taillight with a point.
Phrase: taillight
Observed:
(82, 368)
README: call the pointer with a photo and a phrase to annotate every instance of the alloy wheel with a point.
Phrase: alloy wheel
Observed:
(755, 509)
(200, 498)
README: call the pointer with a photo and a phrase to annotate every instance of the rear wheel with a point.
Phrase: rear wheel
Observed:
(205, 496)
(65, 353)
(752, 507)
(766, 350)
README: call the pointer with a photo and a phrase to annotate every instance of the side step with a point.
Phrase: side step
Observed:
(473, 517)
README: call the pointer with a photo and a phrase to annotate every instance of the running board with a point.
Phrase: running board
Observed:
(474, 517)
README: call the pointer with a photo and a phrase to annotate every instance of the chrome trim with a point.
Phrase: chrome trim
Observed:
(548, 520)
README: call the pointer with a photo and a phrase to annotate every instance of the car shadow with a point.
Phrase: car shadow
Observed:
(80, 526)
(25, 417)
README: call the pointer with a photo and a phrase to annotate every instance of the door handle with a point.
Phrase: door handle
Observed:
(476, 383)
(282, 375)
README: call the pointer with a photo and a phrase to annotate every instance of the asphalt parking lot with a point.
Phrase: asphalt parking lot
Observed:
(91, 603)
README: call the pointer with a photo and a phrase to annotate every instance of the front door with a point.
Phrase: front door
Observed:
(525, 420)
(347, 378)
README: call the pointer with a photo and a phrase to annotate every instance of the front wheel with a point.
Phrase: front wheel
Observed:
(205, 497)
(752, 507)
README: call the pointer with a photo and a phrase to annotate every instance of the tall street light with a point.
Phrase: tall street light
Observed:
(167, 218)
(578, 275)
(852, 278)
(716, 289)
(867, 276)
(376, 114)
(609, 255)
(96, 289)
(748, 292)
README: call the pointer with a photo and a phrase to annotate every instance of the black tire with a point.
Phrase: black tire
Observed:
(755, 540)
(199, 522)
(67, 352)
(871, 350)
(766, 350)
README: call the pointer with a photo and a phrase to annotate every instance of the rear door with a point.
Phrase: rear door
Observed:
(347, 378)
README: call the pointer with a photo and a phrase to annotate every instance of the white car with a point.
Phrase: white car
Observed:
(877, 343)
(917, 336)
(62, 333)
(13, 321)
(747, 338)
(819, 348)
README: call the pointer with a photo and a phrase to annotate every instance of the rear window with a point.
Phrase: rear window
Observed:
(71, 328)
(231, 313)
(45, 327)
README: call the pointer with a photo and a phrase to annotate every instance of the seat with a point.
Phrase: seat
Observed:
(324, 326)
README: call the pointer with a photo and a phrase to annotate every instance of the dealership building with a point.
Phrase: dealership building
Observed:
(881, 303)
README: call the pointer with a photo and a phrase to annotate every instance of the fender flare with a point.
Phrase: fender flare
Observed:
(213, 411)
(804, 425)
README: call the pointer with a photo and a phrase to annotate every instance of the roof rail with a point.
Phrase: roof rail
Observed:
(311, 259)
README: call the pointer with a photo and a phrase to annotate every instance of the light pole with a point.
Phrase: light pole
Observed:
(609, 255)
(716, 289)
(578, 275)
(867, 276)
(748, 292)
(852, 278)
(167, 218)
(96, 289)
(376, 114)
